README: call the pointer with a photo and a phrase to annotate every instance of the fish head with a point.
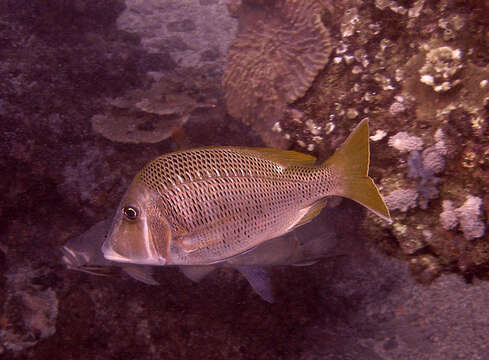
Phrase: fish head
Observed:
(140, 233)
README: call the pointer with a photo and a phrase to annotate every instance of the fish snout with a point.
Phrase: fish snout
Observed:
(80, 261)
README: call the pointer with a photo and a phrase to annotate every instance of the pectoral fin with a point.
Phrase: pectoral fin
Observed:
(204, 236)
(194, 242)
(259, 280)
(140, 273)
(196, 273)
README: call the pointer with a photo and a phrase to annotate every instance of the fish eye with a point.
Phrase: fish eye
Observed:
(130, 212)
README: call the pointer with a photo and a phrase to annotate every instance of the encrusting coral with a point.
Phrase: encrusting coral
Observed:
(402, 199)
(448, 217)
(403, 142)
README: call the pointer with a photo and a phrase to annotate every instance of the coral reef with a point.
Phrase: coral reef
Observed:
(422, 167)
(273, 61)
(426, 94)
(177, 33)
(152, 115)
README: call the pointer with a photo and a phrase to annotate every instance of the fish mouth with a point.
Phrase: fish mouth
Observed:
(148, 257)
(111, 255)
(69, 257)
(78, 262)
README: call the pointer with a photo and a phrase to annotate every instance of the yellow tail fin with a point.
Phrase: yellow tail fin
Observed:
(351, 162)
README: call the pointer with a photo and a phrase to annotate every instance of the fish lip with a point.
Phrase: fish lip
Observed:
(71, 260)
(69, 257)
(112, 255)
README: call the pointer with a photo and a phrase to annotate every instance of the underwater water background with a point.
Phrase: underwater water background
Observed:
(93, 90)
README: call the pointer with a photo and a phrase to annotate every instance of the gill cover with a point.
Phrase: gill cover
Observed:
(139, 233)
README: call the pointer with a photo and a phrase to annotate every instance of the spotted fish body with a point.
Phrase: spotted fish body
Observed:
(228, 200)
(206, 205)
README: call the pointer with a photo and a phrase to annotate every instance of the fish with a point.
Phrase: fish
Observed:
(207, 205)
(301, 248)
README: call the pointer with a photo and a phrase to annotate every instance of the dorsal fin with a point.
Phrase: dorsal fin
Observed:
(285, 158)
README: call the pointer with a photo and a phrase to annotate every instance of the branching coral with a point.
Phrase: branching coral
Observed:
(427, 179)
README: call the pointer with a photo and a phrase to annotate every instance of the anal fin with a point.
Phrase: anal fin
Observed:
(309, 213)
